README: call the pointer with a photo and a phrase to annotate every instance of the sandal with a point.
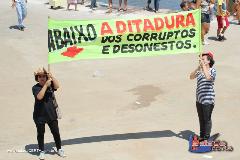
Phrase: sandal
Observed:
(109, 10)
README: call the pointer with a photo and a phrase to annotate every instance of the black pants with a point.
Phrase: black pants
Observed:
(204, 115)
(53, 125)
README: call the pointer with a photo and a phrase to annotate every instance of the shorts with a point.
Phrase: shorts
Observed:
(222, 21)
(205, 18)
(72, 1)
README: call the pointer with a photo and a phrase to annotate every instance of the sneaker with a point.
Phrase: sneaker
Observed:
(21, 28)
(61, 153)
(41, 155)
(148, 8)
(205, 42)
(157, 11)
(220, 38)
(224, 38)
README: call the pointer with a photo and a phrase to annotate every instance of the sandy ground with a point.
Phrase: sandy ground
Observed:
(115, 109)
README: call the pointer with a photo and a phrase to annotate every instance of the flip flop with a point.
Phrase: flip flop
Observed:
(109, 11)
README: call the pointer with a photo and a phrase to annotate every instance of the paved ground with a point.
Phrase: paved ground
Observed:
(134, 109)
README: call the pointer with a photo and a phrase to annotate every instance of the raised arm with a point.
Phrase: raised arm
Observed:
(205, 69)
(41, 94)
(54, 80)
(193, 74)
(206, 72)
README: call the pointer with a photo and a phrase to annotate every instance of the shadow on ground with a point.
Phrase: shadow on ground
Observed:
(114, 137)
(56, 8)
(213, 38)
(235, 23)
(14, 27)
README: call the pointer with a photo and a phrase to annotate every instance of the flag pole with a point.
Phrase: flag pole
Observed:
(48, 60)
(48, 68)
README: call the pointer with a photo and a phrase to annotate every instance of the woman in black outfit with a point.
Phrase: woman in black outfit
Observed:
(45, 109)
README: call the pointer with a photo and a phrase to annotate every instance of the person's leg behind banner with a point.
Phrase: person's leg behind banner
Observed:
(24, 11)
(156, 5)
(225, 26)
(19, 14)
(125, 5)
(93, 4)
(148, 8)
(109, 6)
(205, 20)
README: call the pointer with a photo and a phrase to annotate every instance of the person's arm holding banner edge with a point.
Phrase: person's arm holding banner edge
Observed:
(41, 94)
(193, 74)
(54, 80)
(202, 67)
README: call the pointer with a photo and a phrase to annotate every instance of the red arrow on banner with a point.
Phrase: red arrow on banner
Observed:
(72, 51)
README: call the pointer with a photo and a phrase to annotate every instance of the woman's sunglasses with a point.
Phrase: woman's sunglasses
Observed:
(42, 76)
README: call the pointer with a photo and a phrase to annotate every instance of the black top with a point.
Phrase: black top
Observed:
(44, 110)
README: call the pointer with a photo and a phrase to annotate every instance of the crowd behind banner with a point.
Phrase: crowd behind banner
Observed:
(221, 8)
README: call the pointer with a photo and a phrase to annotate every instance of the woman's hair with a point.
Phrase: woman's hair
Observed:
(38, 72)
(210, 59)
(183, 4)
(36, 77)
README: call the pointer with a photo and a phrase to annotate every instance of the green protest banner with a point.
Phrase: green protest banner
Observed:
(131, 37)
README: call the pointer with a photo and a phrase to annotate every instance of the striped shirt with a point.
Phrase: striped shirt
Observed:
(205, 6)
(205, 93)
